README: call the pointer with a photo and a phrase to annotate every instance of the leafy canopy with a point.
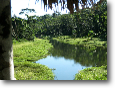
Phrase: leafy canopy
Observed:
(69, 5)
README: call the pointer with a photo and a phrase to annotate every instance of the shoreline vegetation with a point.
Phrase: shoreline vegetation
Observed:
(88, 42)
(25, 53)
(92, 73)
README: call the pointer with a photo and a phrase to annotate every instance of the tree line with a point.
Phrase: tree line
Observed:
(87, 22)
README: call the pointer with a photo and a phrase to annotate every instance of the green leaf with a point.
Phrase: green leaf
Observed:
(91, 31)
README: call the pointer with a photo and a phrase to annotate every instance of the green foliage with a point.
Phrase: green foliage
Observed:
(88, 22)
(95, 42)
(23, 28)
(93, 73)
(25, 53)
(92, 19)
(90, 55)
(33, 71)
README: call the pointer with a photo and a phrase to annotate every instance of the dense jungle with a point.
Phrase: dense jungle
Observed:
(87, 22)
(85, 30)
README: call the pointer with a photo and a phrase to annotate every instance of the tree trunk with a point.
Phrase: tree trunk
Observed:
(6, 49)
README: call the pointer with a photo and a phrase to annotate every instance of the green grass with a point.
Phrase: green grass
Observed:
(92, 73)
(88, 42)
(33, 71)
(25, 53)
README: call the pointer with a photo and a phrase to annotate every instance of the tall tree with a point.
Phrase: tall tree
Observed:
(6, 51)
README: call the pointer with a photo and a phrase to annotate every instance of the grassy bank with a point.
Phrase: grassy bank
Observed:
(25, 53)
(93, 73)
(88, 42)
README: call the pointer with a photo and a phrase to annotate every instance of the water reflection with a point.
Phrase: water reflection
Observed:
(67, 59)
(64, 69)
(84, 55)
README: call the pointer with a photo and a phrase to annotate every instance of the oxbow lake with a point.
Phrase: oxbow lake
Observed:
(66, 60)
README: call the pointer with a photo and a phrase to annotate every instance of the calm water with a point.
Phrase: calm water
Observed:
(67, 60)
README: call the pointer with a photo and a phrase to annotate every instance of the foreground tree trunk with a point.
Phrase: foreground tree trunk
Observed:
(6, 50)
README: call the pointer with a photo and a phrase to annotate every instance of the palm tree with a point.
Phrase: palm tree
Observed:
(6, 51)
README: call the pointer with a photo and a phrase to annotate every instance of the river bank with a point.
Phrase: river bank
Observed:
(87, 42)
(25, 53)
(92, 73)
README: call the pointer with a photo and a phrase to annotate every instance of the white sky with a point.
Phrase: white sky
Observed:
(17, 5)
